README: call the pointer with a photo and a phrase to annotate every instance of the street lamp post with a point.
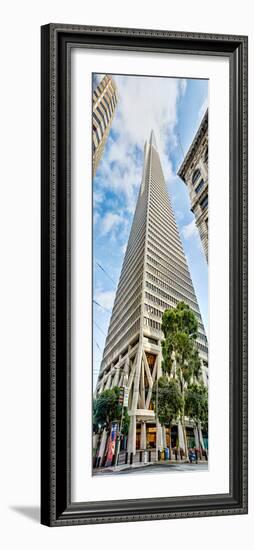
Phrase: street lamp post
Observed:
(118, 443)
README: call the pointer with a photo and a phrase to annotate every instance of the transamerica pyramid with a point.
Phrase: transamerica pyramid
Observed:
(154, 277)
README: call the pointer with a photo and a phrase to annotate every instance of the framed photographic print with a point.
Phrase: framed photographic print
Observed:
(144, 275)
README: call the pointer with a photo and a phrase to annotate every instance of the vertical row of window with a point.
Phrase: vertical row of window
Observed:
(172, 282)
(103, 112)
(204, 202)
(151, 323)
(199, 186)
(153, 311)
(198, 182)
(112, 351)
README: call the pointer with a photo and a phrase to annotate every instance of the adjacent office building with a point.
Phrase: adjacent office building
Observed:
(194, 173)
(104, 105)
(154, 277)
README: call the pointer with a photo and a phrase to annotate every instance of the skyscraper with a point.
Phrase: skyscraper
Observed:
(194, 172)
(154, 277)
(104, 105)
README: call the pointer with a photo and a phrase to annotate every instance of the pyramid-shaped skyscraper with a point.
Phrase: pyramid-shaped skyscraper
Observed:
(154, 277)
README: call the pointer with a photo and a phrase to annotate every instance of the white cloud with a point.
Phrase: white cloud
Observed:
(96, 218)
(121, 173)
(183, 85)
(97, 197)
(189, 230)
(145, 103)
(179, 215)
(111, 222)
(123, 247)
(105, 298)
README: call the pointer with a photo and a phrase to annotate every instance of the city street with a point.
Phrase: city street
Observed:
(152, 468)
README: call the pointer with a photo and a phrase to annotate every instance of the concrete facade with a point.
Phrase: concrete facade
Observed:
(154, 277)
(104, 105)
(194, 173)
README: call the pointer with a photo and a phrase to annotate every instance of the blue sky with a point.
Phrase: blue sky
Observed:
(173, 108)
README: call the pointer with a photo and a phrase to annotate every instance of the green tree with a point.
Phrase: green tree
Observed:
(167, 401)
(196, 406)
(106, 409)
(180, 353)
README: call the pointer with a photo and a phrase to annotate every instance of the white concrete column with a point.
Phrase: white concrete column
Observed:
(101, 386)
(142, 385)
(201, 438)
(136, 382)
(180, 436)
(159, 442)
(104, 438)
(199, 442)
(143, 436)
(132, 435)
(196, 437)
(164, 438)
(116, 377)
(95, 440)
(159, 369)
(126, 372)
(107, 386)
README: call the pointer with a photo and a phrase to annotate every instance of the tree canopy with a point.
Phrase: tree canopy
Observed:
(196, 404)
(168, 400)
(180, 353)
(106, 408)
(180, 328)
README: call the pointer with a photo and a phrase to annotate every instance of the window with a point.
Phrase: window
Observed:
(204, 202)
(199, 186)
(101, 113)
(152, 341)
(97, 119)
(206, 156)
(96, 133)
(195, 176)
(104, 111)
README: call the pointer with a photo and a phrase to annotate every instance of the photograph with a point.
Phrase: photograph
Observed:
(144, 279)
(150, 243)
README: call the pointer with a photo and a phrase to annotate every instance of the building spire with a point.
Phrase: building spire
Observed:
(152, 140)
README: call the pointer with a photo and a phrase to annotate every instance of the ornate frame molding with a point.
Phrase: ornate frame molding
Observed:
(56, 506)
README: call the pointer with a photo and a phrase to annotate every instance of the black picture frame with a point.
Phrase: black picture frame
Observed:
(56, 506)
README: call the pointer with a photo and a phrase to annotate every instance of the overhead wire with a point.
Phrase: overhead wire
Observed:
(106, 273)
(98, 304)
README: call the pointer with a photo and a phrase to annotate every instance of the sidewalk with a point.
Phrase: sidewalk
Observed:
(136, 465)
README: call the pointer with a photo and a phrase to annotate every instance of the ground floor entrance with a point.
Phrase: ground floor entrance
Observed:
(170, 437)
(144, 441)
(150, 435)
